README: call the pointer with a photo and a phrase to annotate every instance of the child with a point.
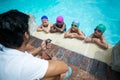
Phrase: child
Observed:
(97, 37)
(59, 26)
(45, 26)
(74, 31)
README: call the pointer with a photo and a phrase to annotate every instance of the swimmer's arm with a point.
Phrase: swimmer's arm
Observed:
(39, 28)
(48, 29)
(91, 36)
(69, 31)
(79, 32)
(53, 28)
(80, 35)
(89, 39)
(102, 43)
(50, 25)
(61, 29)
(64, 26)
(55, 68)
(68, 34)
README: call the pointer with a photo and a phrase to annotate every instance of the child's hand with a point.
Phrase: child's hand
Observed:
(88, 40)
(75, 35)
(39, 29)
(95, 40)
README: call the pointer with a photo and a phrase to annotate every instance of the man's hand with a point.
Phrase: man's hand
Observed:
(43, 45)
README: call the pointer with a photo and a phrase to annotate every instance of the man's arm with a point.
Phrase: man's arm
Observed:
(54, 68)
(37, 50)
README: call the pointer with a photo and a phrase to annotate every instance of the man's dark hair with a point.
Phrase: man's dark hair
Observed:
(13, 25)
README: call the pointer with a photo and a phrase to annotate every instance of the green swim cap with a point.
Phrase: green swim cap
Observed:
(101, 27)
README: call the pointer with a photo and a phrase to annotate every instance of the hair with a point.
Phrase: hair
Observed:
(13, 25)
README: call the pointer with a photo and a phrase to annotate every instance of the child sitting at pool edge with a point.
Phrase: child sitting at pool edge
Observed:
(59, 26)
(45, 26)
(97, 37)
(74, 31)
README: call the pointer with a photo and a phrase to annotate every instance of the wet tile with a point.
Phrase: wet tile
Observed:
(101, 71)
(60, 53)
(36, 43)
(84, 63)
(93, 66)
(66, 55)
(54, 49)
(83, 75)
(73, 58)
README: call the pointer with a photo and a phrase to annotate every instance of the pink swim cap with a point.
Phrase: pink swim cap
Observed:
(59, 19)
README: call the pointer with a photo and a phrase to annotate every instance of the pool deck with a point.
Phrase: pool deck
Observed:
(84, 67)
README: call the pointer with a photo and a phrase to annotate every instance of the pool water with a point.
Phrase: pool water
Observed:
(89, 12)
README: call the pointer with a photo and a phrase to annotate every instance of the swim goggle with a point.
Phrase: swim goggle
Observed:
(98, 30)
(74, 25)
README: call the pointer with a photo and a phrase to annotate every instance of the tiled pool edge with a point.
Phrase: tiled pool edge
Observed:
(97, 68)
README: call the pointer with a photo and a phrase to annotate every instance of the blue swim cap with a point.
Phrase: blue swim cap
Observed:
(44, 17)
(76, 22)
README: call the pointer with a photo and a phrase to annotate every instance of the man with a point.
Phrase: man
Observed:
(97, 37)
(45, 26)
(15, 62)
(59, 26)
(74, 31)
